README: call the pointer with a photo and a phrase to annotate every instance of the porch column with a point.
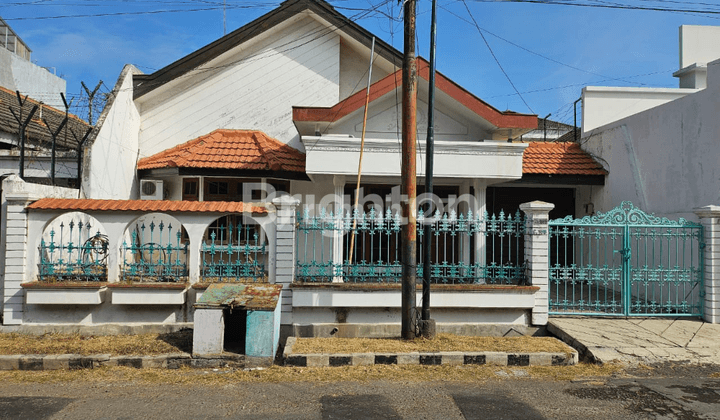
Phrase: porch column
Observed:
(464, 205)
(710, 219)
(478, 209)
(337, 247)
(536, 255)
(15, 226)
(285, 207)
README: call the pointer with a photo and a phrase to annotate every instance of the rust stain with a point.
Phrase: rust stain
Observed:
(247, 296)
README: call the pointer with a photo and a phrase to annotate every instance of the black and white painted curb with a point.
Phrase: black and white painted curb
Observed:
(76, 361)
(428, 359)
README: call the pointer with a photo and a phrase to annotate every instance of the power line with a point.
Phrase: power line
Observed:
(495, 57)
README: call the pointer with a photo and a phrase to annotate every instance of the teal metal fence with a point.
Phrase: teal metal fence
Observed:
(626, 262)
(73, 253)
(156, 253)
(465, 248)
(234, 253)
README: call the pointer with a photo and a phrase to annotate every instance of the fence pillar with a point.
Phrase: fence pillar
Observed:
(15, 226)
(537, 250)
(285, 207)
(710, 219)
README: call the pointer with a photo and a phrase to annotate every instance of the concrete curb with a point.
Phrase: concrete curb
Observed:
(76, 361)
(427, 359)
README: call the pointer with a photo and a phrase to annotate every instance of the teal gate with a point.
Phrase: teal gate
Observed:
(626, 263)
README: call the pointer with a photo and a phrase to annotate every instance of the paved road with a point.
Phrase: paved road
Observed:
(513, 398)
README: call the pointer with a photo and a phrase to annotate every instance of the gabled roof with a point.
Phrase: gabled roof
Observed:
(37, 132)
(246, 150)
(507, 119)
(554, 158)
(145, 206)
(288, 9)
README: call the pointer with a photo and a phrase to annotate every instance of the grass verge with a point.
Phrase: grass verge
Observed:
(116, 345)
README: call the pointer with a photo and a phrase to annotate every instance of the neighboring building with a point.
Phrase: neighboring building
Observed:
(661, 145)
(18, 72)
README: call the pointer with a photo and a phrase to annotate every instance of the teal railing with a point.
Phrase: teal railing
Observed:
(154, 255)
(465, 248)
(234, 254)
(73, 253)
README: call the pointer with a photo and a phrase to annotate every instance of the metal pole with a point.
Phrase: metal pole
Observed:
(408, 186)
(575, 130)
(429, 163)
(545, 127)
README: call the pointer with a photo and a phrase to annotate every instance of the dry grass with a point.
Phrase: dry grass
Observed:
(443, 342)
(117, 345)
(276, 374)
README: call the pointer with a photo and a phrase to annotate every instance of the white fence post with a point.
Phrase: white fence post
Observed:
(537, 250)
(286, 207)
(16, 239)
(710, 219)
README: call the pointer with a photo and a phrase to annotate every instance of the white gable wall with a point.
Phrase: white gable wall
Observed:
(110, 161)
(250, 87)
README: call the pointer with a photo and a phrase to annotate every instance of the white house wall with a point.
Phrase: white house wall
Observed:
(605, 105)
(353, 70)
(247, 88)
(109, 167)
(17, 73)
(665, 159)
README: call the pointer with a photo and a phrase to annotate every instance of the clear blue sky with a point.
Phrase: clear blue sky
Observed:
(579, 45)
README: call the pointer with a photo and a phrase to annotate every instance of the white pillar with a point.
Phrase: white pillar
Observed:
(337, 249)
(15, 227)
(285, 208)
(537, 255)
(478, 209)
(710, 219)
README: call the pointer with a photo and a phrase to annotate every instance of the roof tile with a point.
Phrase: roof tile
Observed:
(146, 205)
(229, 149)
(559, 158)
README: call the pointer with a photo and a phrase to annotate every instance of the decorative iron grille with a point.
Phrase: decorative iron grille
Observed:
(234, 253)
(74, 254)
(465, 248)
(155, 256)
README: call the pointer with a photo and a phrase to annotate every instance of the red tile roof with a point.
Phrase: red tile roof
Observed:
(145, 205)
(507, 119)
(558, 158)
(229, 149)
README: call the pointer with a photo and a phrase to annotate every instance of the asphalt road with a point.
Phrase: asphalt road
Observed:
(689, 397)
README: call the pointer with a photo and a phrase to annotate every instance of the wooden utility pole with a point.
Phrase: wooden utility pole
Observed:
(408, 185)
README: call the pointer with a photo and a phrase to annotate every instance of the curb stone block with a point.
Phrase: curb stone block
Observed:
(340, 360)
(288, 346)
(156, 362)
(135, 362)
(452, 358)
(363, 359)
(31, 363)
(474, 359)
(496, 359)
(61, 361)
(540, 359)
(296, 360)
(9, 362)
(386, 359)
(317, 360)
(518, 360)
(408, 358)
(430, 359)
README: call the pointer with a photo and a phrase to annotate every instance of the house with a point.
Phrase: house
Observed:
(660, 144)
(236, 164)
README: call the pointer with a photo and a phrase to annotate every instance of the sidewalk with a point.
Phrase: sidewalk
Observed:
(640, 340)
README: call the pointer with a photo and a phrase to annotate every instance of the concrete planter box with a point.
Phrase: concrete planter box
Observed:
(64, 293)
(148, 294)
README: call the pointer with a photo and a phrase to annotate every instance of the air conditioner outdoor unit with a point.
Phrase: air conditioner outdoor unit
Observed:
(151, 189)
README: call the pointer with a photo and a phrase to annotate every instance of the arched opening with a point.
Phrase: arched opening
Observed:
(73, 248)
(155, 249)
(234, 250)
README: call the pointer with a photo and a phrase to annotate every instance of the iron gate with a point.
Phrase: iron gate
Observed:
(626, 263)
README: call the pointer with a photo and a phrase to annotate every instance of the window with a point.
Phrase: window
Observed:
(190, 189)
